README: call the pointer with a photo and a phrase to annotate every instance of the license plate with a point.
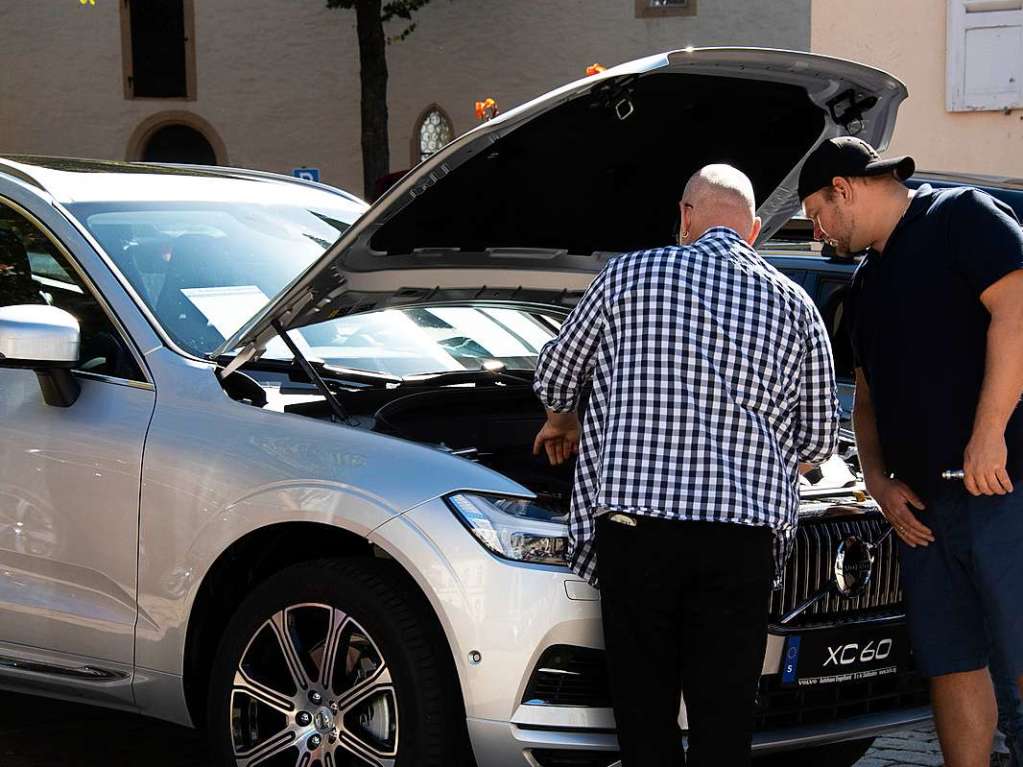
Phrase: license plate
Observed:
(843, 654)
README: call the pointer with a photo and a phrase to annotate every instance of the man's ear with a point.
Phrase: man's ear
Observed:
(755, 231)
(686, 221)
(843, 188)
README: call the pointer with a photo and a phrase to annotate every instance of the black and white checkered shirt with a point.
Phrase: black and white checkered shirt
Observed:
(712, 378)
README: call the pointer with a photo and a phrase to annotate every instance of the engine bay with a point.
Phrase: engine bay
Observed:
(492, 421)
(494, 425)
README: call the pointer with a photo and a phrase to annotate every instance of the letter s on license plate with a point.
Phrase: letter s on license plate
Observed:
(830, 656)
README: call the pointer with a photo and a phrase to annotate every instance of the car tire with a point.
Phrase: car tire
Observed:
(844, 754)
(392, 697)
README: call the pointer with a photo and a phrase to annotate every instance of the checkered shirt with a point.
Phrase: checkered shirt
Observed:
(712, 378)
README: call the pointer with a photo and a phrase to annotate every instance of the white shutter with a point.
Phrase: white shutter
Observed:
(985, 54)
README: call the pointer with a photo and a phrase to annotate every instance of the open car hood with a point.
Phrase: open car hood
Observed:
(540, 197)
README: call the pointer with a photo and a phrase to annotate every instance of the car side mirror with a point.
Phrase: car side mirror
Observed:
(44, 339)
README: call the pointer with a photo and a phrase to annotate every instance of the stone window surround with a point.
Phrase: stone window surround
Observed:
(145, 130)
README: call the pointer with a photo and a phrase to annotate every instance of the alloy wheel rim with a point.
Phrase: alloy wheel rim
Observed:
(312, 689)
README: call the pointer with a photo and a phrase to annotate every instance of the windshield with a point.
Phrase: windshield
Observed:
(204, 268)
(428, 339)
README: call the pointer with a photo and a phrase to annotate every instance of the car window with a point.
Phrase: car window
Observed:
(33, 271)
(203, 268)
(798, 276)
(429, 339)
(830, 297)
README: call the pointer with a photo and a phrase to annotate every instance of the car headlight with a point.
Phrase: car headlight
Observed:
(521, 529)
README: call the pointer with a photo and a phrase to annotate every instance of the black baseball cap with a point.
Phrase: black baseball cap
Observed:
(848, 156)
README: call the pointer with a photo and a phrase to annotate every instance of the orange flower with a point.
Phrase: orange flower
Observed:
(595, 69)
(487, 109)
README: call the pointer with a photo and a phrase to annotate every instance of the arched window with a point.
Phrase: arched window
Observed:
(179, 143)
(434, 131)
(176, 136)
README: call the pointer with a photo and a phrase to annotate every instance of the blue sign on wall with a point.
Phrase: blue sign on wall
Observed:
(309, 174)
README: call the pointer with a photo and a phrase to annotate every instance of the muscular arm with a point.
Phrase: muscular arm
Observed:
(985, 457)
(894, 497)
(868, 443)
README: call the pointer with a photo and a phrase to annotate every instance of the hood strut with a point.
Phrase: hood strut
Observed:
(335, 404)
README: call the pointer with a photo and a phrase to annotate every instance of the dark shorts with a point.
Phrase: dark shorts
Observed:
(964, 592)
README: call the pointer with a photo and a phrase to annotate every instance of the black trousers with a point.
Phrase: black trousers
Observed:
(685, 607)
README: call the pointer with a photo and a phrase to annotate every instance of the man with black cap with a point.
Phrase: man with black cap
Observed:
(936, 318)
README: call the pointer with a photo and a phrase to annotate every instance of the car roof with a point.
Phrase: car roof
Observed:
(949, 178)
(1008, 190)
(69, 179)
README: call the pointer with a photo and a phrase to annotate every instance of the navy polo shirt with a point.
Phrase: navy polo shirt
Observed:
(919, 329)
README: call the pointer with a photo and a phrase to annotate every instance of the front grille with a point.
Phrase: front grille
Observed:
(547, 757)
(569, 676)
(812, 565)
(779, 707)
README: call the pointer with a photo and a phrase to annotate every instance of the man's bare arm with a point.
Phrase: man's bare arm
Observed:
(985, 457)
(894, 496)
(868, 443)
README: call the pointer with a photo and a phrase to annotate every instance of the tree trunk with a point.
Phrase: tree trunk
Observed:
(376, 151)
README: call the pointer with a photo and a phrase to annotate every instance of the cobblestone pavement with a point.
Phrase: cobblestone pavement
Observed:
(35, 732)
(917, 747)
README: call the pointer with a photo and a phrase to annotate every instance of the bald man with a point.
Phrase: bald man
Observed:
(711, 381)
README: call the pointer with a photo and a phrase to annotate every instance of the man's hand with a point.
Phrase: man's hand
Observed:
(559, 437)
(984, 464)
(896, 499)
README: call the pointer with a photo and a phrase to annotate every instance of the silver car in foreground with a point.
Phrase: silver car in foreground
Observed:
(265, 454)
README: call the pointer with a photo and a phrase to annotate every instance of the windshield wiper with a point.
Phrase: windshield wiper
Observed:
(331, 373)
(491, 373)
(320, 374)
(337, 373)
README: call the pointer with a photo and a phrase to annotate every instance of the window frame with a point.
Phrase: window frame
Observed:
(959, 22)
(89, 286)
(127, 64)
(644, 10)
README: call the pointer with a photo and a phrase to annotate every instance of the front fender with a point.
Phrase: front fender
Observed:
(169, 586)
(216, 470)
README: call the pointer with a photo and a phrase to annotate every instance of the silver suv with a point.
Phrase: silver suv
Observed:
(266, 462)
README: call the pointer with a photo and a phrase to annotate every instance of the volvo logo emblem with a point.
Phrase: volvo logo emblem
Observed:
(323, 720)
(854, 566)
